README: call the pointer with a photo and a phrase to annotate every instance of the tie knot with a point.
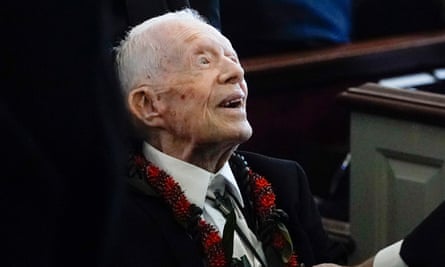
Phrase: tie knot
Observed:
(217, 183)
(223, 203)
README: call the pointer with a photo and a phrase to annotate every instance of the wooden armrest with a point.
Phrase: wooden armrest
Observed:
(358, 49)
(395, 102)
(356, 62)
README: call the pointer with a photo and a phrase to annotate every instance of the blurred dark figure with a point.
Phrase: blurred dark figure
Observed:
(63, 132)
(425, 245)
(262, 26)
(64, 127)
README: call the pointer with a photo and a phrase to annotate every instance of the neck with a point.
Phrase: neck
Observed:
(210, 157)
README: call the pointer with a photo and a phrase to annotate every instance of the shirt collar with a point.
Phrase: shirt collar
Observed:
(193, 180)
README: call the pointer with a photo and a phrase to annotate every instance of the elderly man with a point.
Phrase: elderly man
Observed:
(194, 200)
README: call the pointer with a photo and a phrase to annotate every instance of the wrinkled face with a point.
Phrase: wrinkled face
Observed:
(205, 98)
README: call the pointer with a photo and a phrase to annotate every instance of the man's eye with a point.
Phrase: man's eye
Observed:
(234, 59)
(203, 60)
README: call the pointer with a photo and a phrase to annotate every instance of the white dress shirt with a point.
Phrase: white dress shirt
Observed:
(197, 183)
(389, 256)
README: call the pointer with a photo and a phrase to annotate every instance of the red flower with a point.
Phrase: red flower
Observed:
(278, 241)
(212, 239)
(169, 186)
(216, 257)
(264, 196)
(268, 201)
(181, 208)
(152, 171)
(261, 182)
(139, 160)
(293, 262)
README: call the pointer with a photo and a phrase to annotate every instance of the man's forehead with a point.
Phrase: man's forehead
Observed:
(182, 36)
(190, 30)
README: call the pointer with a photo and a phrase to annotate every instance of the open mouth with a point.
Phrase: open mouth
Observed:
(232, 102)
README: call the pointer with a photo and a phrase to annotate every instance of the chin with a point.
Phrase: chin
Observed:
(237, 133)
(245, 133)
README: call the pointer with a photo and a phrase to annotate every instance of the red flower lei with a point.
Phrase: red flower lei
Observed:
(211, 242)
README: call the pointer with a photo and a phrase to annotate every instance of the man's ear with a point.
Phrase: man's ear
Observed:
(141, 105)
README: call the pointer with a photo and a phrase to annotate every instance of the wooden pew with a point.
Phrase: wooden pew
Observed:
(397, 175)
(293, 104)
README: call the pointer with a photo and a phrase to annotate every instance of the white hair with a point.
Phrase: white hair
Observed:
(139, 55)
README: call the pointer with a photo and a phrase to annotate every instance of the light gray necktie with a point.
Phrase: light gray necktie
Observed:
(235, 223)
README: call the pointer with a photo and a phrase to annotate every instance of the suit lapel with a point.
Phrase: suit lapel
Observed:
(238, 166)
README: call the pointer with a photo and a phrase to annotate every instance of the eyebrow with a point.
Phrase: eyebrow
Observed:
(216, 48)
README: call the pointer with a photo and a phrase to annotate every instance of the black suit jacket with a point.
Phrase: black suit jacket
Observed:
(151, 237)
(425, 245)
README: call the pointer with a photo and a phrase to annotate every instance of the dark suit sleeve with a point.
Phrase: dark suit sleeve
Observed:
(425, 245)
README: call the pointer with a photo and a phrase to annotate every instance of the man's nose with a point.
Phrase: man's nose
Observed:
(232, 72)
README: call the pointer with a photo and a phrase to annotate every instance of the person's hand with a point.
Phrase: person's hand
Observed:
(368, 263)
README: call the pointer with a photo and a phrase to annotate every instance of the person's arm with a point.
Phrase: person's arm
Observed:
(367, 263)
(389, 256)
(386, 257)
(418, 248)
